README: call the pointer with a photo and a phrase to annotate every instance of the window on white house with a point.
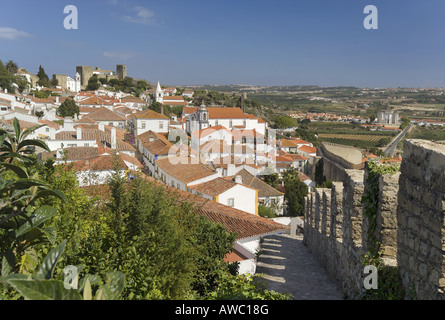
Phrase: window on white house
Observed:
(230, 124)
(87, 144)
(231, 202)
(161, 125)
(143, 125)
(47, 129)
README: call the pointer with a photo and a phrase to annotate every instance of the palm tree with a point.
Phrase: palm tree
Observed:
(17, 146)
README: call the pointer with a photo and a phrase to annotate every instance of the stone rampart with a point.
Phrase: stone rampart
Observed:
(409, 224)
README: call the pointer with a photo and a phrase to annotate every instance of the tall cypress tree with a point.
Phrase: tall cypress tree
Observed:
(43, 78)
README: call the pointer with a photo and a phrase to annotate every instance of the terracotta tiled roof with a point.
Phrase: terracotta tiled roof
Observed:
(288, 143)
(147, 136)
(103, 137)
(308, 149)
(296, 157)
(124, 110)
(179, 98)
(104, 114)
(75, 153)
(87, 109)
(23, 124)
(223, 113)
(131, 98)
(155, 143)
(251, 116)
(264, 190)
(148, 114)
(283, 159)
(303, 177)
(175, 103)
(94, 100)
(238, 134)
(103, 162)
(185, 173)
(227, 113)
(214, 187)
(207, 131)
(50, 124)
(234, 256)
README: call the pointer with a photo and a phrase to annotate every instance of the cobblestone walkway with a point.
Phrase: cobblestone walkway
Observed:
(287, 267)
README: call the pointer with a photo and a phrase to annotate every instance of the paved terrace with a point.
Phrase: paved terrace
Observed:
(287, 267)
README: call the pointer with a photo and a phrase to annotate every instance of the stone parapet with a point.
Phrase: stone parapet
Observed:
(409, 224)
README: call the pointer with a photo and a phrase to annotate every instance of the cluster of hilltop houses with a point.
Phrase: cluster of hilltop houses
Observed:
(216, 154)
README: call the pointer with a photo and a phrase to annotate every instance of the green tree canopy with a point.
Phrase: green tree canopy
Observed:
(12, 67)
(68, 108)
(93, 83)
(43, 78)
(283, 122)
(295, 192)
(6, 78)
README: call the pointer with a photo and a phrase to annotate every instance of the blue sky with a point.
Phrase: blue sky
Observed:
(283, 42)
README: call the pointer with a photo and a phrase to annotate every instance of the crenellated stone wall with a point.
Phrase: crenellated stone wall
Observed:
(420, 214)
(410, 224)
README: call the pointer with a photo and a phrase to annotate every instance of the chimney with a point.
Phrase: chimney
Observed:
(79, 133)
(230, 169)
(113, 138)
(68, 124)
(238, 179)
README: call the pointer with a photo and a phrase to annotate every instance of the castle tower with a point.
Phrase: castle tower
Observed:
(159, 94)
(86, 72)
(121, 71)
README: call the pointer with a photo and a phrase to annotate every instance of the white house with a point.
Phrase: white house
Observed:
(230, 118)
(99, 170)
(267, 195)
(218, 133)
(146, 120)
(229, 193)
(152, 146)
(183, 175)
(104, 116)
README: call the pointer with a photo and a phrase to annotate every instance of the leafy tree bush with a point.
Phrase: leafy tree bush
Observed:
(93, 83)
(68, 108)
(283, 122)
(295, 191)
(43, 78)
(266, 212)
